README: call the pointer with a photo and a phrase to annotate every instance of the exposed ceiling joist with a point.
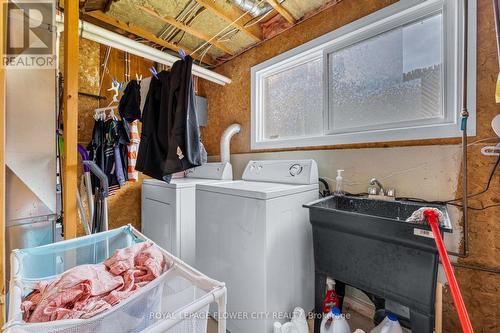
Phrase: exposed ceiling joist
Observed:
(236, 17)
(282, 10)
(186, 28)
(149, 36)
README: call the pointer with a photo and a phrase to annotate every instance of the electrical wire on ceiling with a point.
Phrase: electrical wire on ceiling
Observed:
(186, 16)
(189, 13)
(224, 29)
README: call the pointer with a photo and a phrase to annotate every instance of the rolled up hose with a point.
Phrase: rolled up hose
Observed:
(463, 316)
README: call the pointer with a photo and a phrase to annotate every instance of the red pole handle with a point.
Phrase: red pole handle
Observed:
(463, 316)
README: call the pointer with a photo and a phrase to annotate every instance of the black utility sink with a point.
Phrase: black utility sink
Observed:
(368, 244)
(394, 210)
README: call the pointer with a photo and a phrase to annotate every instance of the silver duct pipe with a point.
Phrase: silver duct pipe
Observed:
(252, 8)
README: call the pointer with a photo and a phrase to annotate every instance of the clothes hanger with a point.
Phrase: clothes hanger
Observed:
(112, 114)
(115, 86)
(182, 54)
(101, 112)
(154, 72)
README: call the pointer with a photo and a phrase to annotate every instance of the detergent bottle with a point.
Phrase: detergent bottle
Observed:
(334, 322)
(331, 300)
(390, 324)
(299, 320)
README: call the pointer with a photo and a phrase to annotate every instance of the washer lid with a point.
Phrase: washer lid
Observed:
(179, 182)
(256, 190)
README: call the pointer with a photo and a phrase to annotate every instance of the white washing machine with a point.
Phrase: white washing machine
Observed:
(168, 210)
(255, 236)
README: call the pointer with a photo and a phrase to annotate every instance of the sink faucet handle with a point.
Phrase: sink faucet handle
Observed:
(375, 182)
(372, 190)
(391, 192)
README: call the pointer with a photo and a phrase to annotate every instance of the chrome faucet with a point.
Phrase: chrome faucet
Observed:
(381, 191)
(377, 191)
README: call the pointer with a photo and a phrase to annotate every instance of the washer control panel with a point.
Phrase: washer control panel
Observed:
(282, 171)
(219, 171)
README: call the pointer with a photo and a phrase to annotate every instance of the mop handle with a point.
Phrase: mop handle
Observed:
(463, 316)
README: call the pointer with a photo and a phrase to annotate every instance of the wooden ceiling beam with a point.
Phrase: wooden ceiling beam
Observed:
(149, 36)
(236, 17)
(282, 10)
(186, 28)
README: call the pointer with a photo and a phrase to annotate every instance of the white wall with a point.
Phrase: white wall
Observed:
(427, 172)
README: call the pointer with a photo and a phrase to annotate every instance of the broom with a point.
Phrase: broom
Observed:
(497, 29)
(463, 316)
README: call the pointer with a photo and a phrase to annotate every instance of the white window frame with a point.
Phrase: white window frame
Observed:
(402, 12)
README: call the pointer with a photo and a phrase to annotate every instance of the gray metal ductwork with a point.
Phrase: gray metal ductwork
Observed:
(253, 7)
(30, 155)
(30, 158)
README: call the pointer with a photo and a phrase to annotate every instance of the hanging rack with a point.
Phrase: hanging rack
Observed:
(100, 113)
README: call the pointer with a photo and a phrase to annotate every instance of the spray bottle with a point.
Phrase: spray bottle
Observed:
(331, 300)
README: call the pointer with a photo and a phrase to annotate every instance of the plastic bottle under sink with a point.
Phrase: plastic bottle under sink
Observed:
(390, 324)
(334, 322)
(298, 324)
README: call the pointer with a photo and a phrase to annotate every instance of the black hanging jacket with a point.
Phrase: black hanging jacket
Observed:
(170, 138)
(184, 140)
(130, 103)
(152, 155)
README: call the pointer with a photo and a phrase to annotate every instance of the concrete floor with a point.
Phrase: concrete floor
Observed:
(356, 321)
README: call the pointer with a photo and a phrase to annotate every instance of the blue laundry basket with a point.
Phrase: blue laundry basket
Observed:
(48, 261)
(179, 298)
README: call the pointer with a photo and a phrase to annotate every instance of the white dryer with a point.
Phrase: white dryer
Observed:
(168, 210)
(255, 236)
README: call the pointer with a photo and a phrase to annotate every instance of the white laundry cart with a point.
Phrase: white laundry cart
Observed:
(175, 302)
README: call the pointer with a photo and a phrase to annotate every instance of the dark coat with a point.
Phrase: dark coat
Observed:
(170, 139)
(152, 155)
(130, 103)
(184, 141)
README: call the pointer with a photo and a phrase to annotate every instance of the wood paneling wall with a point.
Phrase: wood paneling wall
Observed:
(231, 104)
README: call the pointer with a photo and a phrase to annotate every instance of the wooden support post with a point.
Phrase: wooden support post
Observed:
(70, 118)
(186, 28)
(149, 36)
(236, 17)
(3, 27)
(282, 10)
(438, 327)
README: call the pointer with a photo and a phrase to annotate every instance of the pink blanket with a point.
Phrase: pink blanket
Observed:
(87, 290)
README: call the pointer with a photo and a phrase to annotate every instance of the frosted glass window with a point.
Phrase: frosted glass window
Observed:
(293, 101)
(393, 75)
(392, 79)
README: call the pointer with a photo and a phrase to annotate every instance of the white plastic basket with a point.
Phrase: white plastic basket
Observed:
(175, 302)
